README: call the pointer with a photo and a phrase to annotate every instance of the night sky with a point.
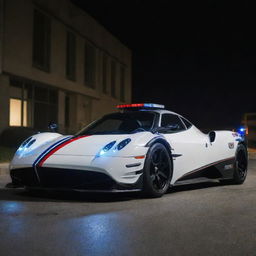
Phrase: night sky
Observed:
(196, 57)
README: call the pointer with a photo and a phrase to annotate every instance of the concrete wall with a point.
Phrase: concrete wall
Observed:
(1, 32)
(17, 55)
(18, 50)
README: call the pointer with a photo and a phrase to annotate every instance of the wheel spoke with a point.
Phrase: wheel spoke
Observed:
(159, 169)
(158, 181)
(153, 177)
(162, 174)
(241, 164)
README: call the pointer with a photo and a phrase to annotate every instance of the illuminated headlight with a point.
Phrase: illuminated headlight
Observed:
(26, 144)
(123, 143)
(106, 148)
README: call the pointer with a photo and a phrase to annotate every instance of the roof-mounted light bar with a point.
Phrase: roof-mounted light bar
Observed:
(141, 105)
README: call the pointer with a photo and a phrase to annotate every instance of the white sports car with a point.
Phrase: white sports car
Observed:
(141, 148)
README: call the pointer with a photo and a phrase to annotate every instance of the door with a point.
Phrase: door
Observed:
(190, 146)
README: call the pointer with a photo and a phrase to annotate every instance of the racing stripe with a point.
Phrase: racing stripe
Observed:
(56, 148)
(48, 149)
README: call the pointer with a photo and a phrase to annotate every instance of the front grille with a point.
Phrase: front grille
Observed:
(62, 178)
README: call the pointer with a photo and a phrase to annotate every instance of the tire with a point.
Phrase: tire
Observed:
(157, 171)
(240, 166)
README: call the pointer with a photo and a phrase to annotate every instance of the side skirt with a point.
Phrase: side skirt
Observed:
(223, 169)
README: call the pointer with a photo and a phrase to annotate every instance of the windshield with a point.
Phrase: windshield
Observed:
(121, 123)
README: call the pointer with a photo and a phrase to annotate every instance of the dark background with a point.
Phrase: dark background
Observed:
(196, 57)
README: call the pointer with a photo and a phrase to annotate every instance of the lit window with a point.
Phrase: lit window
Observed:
(16, 112)
(25, 113)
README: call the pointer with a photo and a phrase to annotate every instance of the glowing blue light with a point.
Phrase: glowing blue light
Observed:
(106, 148)
(25, 145)
(242, 131)
(152, 105)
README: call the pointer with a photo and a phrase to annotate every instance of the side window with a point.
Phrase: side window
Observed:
(173, 122)
(186, 122)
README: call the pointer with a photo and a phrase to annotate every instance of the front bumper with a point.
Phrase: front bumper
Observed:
(67, 179)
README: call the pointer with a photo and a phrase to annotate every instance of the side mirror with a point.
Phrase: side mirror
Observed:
(53, 127)
(212, 136)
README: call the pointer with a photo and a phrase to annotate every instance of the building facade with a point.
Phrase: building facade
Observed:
(58, 64)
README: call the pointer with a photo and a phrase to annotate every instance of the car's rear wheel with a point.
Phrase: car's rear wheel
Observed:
(157, 171)
(240, 166)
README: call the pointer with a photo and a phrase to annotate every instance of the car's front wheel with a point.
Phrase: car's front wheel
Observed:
(157, 171)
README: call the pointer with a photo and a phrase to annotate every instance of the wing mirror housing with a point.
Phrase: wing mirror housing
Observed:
(53, 127)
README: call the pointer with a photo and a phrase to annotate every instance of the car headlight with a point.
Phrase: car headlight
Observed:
(123, 143)
(106, 148)
(26, 144)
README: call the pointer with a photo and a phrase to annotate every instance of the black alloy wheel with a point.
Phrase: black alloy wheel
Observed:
(157, 171)
(241, 165)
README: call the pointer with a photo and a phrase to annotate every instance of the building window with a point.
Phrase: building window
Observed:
(89, 66)
(32, 104)
(41, 41)
(104, 74)
(122, 83)
(45, 107)
(18, 115)
(113, 78)
(71, 56)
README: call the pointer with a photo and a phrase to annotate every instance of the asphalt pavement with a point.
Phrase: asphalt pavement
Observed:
(201, 219)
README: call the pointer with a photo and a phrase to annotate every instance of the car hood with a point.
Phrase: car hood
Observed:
(89, 145)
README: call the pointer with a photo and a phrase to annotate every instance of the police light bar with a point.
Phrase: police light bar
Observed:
(141, 105)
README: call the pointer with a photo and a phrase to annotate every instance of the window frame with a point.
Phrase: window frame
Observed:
(178, 117)
(182, 119)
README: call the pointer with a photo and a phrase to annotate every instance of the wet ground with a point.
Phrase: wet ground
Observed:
(201, 219)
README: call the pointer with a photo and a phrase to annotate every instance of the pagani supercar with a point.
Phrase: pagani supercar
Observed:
(143, 147)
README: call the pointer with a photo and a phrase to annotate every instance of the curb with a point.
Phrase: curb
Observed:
(252, 155)
(4, 168)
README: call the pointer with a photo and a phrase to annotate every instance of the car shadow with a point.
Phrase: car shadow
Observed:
(20, 194)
